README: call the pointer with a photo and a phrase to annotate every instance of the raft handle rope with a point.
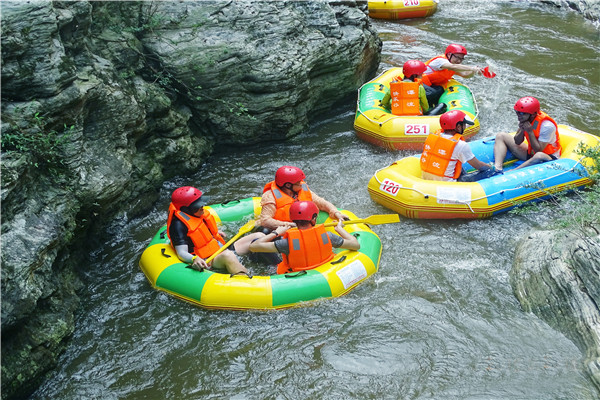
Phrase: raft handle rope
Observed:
(341, 259)
(248, 274)
(162, 251)
(468, 204)
(303, 272)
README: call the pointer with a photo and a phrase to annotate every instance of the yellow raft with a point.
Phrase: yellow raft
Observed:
(376, 124)
(401, 9)
(210, 289)
(400, 187)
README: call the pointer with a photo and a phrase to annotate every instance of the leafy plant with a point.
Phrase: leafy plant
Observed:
(43, 147)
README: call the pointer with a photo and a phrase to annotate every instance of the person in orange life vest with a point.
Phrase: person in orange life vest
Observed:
(537, 139)
(194, 235)
(445, 151)
(441, 69)
(306, 246)
(412, 71)
(287, 188)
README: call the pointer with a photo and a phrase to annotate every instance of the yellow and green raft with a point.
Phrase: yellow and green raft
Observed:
(374, 123)
(211, 289)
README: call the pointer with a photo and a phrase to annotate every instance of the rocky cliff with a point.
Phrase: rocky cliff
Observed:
(589, 8)
(104, 101)
(555, 275)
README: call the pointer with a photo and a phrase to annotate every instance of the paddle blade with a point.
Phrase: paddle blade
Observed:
(377, 219)
(382, 219)
(487, 73)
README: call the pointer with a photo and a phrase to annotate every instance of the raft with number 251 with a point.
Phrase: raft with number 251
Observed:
(212, 289)
(376, 124)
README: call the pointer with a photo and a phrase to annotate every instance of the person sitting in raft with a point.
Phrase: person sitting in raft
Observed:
(287, 188)
(312, 245)
(445, 151)
(194, 235)
(538, 129)
(441, 69)
(410, 97)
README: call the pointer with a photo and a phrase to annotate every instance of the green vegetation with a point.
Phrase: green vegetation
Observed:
(581, 213)
(43, 147)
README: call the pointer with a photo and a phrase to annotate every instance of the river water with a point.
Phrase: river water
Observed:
(439, 319)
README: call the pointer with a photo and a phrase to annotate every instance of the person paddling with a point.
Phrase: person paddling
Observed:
(306, 246)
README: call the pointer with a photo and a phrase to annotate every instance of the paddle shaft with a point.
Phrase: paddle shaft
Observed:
(243, 230)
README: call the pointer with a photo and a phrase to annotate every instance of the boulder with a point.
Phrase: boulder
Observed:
(104, 101)
(556, 275)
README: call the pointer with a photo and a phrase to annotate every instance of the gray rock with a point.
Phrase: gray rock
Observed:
(556, 275)
(116, 98)
(589, 8)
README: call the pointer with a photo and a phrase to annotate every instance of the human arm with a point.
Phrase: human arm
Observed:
(423, 99)
(547, 135)
(479, 165)
(466, 71)
(350, 242)
(267, 213)
(194, 261)
(329, 208)
(265, 243)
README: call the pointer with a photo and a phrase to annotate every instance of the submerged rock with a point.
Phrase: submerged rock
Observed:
(104, 101)
(556, 275)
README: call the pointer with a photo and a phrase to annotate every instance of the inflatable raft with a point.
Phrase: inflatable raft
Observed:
(401, 9)
(400, 187)
(376, 124)
(210, 289)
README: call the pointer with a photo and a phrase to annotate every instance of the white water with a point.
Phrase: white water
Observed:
(438, 321)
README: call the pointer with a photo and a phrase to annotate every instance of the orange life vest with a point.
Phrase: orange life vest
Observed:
(537, 124)
(202, 231)
(431, 77)
(309, 248)
(283, 201)
(437, 154)
(405, 98)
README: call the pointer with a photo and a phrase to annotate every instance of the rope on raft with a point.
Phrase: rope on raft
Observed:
(467, 203)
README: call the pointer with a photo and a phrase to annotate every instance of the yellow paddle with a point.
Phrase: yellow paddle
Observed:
(372, 220)
(248, 226)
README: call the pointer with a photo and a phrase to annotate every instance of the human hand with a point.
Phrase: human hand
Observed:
(199, 264)
(281, 230)
(338, 215)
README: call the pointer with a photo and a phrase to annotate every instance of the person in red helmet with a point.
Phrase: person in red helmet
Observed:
(445, 151)
(408, 93)
(194, 234)
(536, 140)
(442, 68)
(287, 188)
(312, 247)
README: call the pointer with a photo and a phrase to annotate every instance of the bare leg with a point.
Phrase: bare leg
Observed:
(229, 261)
(502, 144)
(537, 158)
(242, 246)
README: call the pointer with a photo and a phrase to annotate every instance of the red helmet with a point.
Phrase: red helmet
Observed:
(528, 104)
(413, 67)
(303, 211)
(455, 49)
(288, 174)
(185, 196)
(450, 119)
